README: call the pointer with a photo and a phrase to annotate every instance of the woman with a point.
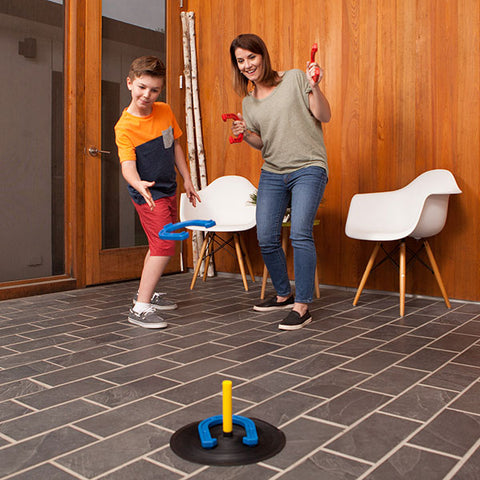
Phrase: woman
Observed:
(282, 117)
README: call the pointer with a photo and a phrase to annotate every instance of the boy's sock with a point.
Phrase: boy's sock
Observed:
(140, 307)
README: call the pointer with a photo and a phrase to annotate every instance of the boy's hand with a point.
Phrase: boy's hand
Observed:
(143, 189)
(192, 195)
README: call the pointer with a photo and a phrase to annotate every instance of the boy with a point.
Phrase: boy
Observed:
(146, 135)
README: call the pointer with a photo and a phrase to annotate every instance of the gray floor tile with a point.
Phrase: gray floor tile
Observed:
(45, 471)
(326, 466)
(303, 437)
(451, 432)
(393, 380)
(127, 416)
(469, 401)
(115, 396)
(332, 383)
(420, 403)
(470, 470)
(349, 407)
(413, 464)
(40, 449)
(453, 377)
(48, 419)
(84, 394)
(282, 408)
(374, 437)
(143, 470)
(101, 457)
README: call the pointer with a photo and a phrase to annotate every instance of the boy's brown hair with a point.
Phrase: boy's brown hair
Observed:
(146, 65)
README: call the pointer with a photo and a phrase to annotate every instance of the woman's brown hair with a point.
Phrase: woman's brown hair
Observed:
(253, 43)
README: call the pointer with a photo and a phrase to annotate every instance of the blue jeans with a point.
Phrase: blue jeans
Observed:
(303, 190)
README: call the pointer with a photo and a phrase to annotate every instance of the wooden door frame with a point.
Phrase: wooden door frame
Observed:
(104, 265)
(77, 210)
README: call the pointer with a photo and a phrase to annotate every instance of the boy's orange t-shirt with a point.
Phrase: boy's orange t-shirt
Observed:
(132, 131)
(150, 142)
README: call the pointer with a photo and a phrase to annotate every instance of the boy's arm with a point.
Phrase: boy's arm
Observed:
(181, 165)
(130, 174)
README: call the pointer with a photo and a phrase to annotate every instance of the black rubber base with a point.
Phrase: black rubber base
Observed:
(229, 450)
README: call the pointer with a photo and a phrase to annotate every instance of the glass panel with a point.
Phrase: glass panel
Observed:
(32, 152)
(129, 30)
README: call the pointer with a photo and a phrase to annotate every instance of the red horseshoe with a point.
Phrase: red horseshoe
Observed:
(232, 116)
(312, 59)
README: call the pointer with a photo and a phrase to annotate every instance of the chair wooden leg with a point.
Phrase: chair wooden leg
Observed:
(403, 263)
(436, 271)
(247, 258)
(317, 288)
(199, 261)
(208, 253)
(240, 260)
(366, 273)
(264, 282)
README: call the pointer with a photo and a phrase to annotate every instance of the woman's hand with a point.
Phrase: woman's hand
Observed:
(312, 68)
(239, 126)
(318, 104)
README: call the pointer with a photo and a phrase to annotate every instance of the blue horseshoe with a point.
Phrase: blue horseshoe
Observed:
(250, 439)
(167, 232)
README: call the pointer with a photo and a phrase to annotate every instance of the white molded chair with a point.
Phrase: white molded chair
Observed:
(418, 210)
(227, 200)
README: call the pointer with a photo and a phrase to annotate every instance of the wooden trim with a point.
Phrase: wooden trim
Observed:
(74, 244)
(37, 286)
(92, 137)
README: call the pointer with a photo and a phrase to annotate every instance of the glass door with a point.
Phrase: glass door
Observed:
(31, 153)
(118, 32)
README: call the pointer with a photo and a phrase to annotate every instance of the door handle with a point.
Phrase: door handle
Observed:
(93, 151)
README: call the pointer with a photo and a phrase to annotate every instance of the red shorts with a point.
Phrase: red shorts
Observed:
(153, 221)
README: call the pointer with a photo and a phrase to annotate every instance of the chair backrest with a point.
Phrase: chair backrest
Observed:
(435, 186)
(227, 200)
(419, 209)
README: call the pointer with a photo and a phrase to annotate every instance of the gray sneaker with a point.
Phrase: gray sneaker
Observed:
(159, 302)
(146, 319)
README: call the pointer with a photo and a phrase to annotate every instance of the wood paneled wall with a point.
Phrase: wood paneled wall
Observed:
(403, 81)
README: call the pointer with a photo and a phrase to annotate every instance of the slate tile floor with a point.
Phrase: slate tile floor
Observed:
(359, 393)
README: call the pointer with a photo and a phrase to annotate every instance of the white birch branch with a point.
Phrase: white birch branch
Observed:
(197, 115)
(191, 149)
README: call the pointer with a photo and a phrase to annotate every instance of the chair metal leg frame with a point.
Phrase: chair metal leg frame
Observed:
(402, 266)
(208, 250)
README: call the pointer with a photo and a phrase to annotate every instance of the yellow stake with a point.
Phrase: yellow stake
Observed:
(227, 407)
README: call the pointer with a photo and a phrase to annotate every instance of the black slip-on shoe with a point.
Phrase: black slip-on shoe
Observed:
(293, 321)
(272, 304)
